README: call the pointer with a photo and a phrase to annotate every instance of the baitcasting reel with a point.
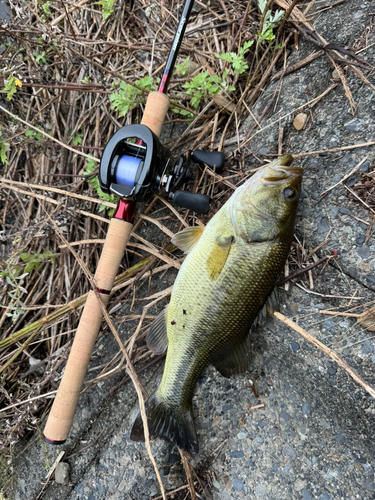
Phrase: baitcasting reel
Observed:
(134, 162)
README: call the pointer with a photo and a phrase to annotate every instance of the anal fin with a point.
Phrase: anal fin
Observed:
(157, 338)
(272, 302)
(237, 361)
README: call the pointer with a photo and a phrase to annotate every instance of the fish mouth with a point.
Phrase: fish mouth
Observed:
(280, 170)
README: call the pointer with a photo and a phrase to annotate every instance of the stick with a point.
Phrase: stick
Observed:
(326, 350)
(47, 135)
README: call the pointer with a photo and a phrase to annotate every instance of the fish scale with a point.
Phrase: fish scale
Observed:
(223, 284)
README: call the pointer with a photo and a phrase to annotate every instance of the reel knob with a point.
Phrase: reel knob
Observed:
(193, 201)
(214, 159)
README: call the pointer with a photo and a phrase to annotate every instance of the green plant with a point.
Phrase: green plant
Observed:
(45, 7)
(94, 181)
(182, 68)
(33, 261)
(4, 147)
(107, 7)
(127, 97)
(86, 79)
(77, 139)
(11, 275)
(239, 65)
(269, 22)
(11, 84)
(34, 134)
(40, 57)
(203, 85)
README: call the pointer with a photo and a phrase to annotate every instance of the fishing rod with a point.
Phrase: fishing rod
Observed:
(133, 165)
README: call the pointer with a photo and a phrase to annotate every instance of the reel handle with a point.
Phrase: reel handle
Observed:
(214, 159)
(193, 201)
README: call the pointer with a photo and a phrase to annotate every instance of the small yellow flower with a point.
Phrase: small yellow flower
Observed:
(17, 82)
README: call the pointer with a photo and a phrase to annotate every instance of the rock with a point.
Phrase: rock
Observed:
(237, 454)
(264, 151)
(299, 121)
(335, 74)
(290, 452)
(216, 485)
(62, 473)
(354, 125)
(306, 494)
(238, 484)
(241, 435)
(305, 409)
(295, 346)
(364, 252)
(261, 490)
(360, 239)
(345, 211)
(323, 226)
(365, 166)
(340, 438)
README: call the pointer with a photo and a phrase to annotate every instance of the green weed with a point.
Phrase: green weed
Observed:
(239, 65)
(267, 34)
(4, 147)
(94, 181)
(10, 87)
(33, 134)
(40, 57)
(203, 85)
(107, 7)
(16, 281)
(127, 97)
(182, 68)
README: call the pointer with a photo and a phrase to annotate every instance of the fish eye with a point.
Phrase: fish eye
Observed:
(290, 194)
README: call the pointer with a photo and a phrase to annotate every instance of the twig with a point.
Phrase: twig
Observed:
(359, 199)
(47, 135)
(343, 179)
(188, 471)
(299, 272)
(326, 350)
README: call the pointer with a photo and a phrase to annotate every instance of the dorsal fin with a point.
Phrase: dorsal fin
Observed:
(157, 338)
(187, 238)
(218, 256)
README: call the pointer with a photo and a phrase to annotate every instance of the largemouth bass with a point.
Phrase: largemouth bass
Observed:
(225, 281)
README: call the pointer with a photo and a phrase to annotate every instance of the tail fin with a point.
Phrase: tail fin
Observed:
(168, 423)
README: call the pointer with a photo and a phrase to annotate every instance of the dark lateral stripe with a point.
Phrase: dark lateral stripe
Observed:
(104, 292)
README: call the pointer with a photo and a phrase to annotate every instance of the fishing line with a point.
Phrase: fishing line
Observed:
(127, 170)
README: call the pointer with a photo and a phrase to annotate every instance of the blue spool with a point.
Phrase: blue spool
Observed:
(127, 170)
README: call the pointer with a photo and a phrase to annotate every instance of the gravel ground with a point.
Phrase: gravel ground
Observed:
(313, 436)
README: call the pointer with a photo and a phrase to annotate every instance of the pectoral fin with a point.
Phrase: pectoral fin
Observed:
(218, 256)
(187, 238)
(236, 361)
(157, 339)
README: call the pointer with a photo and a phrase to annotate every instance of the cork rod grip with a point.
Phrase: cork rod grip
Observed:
(155, 111)
(62, 412)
